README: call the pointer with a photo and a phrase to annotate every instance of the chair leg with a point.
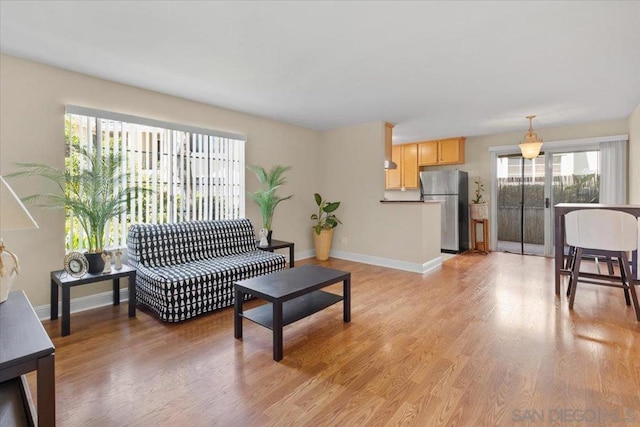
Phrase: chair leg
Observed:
(569, 266)
(623, 275)
(575, 273)
(610, 265)
(632, 288)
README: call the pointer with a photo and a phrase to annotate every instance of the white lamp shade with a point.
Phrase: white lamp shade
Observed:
(530, 150)
(13, 214)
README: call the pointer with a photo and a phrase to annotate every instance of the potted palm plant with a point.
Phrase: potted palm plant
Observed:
(326, 221)
(93, 189)
(266, 197)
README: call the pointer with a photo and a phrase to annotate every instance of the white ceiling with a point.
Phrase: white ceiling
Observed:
(434, 69)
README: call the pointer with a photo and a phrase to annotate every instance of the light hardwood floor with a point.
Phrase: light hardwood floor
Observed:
(483, 341)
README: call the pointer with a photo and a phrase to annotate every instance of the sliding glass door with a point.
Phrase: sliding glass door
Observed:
(574, 177)
(523, 192)
(520, 202)
(526, 191)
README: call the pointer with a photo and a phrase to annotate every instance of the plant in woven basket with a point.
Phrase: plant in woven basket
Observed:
(479, 208)
(326, 221)
(325, 218)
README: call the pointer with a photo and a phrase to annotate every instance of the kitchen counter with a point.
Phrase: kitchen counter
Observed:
(411, 235)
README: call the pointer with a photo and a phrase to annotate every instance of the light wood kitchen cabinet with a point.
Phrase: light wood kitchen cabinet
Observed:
(428, 153)
(448, 151)
(410, 166)
(388, 140)
(393, 176)
(406, 174)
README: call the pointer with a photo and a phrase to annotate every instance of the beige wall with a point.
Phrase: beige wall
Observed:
(32, 103)
(634, 157)
(352, 160)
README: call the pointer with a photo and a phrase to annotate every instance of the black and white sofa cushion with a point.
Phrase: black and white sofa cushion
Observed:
(188, 268)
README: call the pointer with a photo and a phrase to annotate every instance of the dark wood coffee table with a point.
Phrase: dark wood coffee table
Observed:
(292, 294)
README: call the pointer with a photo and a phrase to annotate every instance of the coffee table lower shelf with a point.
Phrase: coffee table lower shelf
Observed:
(293, 310)
(291, 295)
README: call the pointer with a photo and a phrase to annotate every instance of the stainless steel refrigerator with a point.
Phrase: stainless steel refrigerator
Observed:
(451, 188)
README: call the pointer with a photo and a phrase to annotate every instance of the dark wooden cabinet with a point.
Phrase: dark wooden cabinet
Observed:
(25, 347)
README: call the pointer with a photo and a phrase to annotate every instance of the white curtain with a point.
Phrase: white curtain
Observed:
(613, 172)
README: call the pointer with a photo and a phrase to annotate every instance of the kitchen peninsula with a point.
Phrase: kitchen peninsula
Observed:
(415, 225)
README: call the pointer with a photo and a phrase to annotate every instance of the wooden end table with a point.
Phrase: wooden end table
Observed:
(280, 244)
(66, 282)
(293, 294)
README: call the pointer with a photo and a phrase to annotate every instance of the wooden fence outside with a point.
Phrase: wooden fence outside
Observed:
(566, 189)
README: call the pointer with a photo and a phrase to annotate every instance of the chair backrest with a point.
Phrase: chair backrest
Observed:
(601, 229)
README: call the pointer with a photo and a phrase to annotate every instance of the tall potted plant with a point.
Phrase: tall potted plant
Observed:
(266, 197)
(326, 221)
(92, 188)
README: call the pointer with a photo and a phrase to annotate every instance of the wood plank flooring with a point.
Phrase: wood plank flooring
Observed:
(483, 341)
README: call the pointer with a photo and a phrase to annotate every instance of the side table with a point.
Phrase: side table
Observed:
(25, 347)
(65, 281)
(280, 244)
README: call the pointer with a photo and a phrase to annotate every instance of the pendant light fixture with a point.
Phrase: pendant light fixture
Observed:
(531, 144)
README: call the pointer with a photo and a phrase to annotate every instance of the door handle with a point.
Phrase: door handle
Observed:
(546, 202)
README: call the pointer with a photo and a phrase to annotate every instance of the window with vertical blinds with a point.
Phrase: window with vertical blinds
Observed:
(194, 173)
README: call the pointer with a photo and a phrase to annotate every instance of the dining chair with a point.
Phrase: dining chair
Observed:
(607, 233)
(595, 255)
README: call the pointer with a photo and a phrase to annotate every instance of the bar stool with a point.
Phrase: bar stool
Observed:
(609, 233)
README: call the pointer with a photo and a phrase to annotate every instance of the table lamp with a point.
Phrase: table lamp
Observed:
(13, 216)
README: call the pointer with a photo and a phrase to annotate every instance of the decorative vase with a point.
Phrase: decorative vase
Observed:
(480, 210)
(263, 237)
(118, 265)
(96, 263)
(322, 243)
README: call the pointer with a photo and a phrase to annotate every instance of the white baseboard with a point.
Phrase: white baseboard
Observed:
(427, 267)
(83, 303)
(431, 265)
(309, 253)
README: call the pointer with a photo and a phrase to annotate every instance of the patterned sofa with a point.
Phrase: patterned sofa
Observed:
(188, 268)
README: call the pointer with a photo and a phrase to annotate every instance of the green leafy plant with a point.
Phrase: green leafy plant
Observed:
(478, 193)
(266, 198)
(325, 218)
(92, 188)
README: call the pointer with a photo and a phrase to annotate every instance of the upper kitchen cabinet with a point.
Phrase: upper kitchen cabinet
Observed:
(406, 174)
(393, 178)
(410, 166)
(448, 151)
